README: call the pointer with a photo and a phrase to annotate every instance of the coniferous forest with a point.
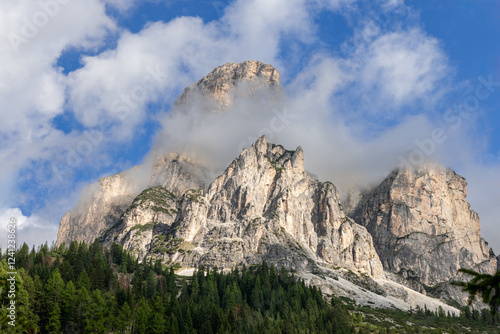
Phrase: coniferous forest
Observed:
(91, 289)
(83, 289)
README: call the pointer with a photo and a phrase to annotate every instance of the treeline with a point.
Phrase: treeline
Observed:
(422, 320)
(91, 289)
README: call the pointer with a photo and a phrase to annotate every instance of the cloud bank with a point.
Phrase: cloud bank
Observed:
(358, 109)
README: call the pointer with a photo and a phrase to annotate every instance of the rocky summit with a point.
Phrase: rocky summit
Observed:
(217, 91)
(401, 241)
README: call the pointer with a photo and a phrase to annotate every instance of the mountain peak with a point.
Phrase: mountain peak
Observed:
(261, 145)
(218, 89)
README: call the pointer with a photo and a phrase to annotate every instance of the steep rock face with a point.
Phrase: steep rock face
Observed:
(424, 229)
(135, 228)
(103, 203)
(100, 206)
(263, 207)
(217, 91)
(266, 207)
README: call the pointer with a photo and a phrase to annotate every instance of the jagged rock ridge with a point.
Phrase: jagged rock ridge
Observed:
(101, 205)
(264, 207)
(217, 91)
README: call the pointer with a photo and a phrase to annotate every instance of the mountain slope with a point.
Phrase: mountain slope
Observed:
(101, 205)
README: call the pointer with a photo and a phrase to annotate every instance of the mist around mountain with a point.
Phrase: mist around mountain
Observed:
(394, 244)
(202, 239)
(359, 152)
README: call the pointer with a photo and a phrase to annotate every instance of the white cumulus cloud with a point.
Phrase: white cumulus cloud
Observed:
(32, 230)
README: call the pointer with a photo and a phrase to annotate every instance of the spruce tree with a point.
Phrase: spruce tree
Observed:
(54, 325)
(123, 319)
(142, 317)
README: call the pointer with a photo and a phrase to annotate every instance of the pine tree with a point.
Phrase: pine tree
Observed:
(124, 316)
(82, 301)
(69, 303)
(54, 291)
(195, 288)
(54, 288)
(22, 257)
(137, 283)
(83, 281)
(26, 299)
(97, 277)
(26, 319)
(486, 285)
(173, 325)
(150, 284)
(124, 264)
(54, 325)
(158, 266)
(157, 320)
(142, 317)
(95, 313)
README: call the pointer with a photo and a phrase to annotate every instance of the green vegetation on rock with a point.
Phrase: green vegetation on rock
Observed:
(167, 244)
(195, 195)
(143, 227)
(273, 164)
(157, 199)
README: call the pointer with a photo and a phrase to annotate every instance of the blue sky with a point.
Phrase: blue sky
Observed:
(371, 79)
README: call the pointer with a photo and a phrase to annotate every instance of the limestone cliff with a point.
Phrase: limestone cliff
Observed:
(100, 206)
(179, 173)
(424, 229)
(135, 227)
(416, 226)
(264, 207)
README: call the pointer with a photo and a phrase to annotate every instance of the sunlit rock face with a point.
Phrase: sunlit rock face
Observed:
(263, 207)
(101, 205)
(424, 229)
